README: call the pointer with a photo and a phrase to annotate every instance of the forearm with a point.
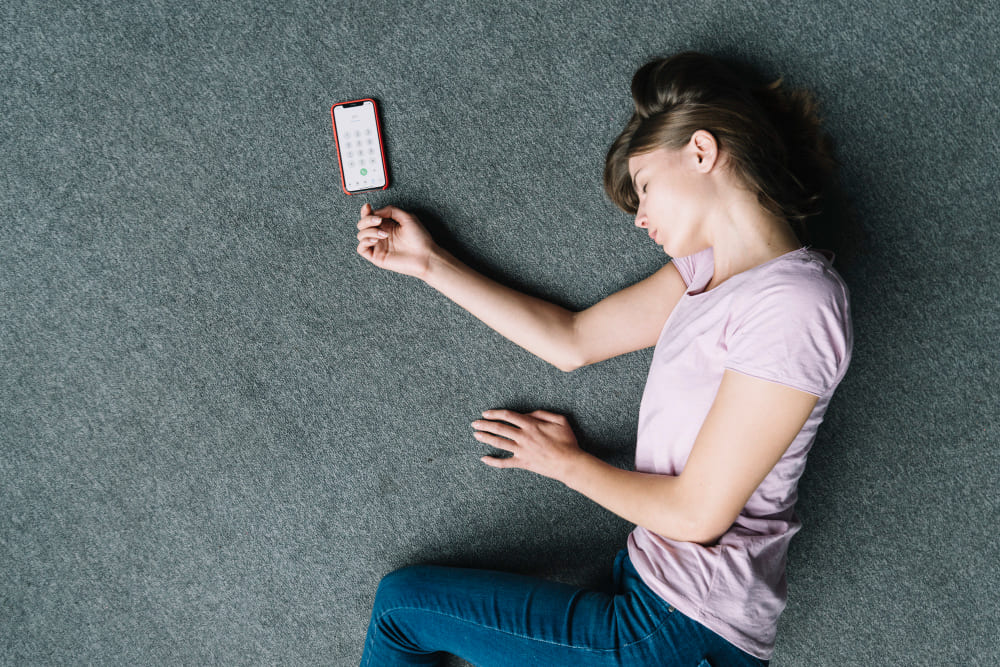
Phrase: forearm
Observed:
(540, 327)
(655, 502)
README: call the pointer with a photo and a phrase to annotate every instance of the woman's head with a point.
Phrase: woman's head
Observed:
(768, 140)
(681, 192)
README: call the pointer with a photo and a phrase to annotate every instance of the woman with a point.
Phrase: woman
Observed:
(752, 333)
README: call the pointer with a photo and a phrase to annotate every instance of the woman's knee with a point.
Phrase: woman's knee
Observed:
(401, 588)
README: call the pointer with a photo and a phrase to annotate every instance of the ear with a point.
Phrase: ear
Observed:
(704, 150)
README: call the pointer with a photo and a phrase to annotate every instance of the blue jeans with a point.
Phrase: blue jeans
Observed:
(494, 618)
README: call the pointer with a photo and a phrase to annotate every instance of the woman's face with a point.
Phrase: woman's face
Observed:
(673, 195)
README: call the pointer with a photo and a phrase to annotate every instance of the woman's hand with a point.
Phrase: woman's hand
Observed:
(390, 238)
(541, 441)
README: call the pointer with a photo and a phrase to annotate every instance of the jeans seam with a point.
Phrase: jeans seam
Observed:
(514, 634)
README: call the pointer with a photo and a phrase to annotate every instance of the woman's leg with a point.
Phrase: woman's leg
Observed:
(495, 618)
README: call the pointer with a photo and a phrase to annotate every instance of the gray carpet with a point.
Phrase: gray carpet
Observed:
(219, 426)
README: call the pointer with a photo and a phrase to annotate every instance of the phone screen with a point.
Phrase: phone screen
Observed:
(359, 145)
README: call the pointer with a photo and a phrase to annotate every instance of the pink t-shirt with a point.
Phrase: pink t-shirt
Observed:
(788, 321)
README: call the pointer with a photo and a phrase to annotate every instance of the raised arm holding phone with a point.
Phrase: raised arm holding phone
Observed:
(752, 334)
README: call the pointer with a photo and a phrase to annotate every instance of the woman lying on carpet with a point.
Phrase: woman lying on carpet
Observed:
(752, 335)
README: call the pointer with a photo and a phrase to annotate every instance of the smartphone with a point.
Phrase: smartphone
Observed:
(358, 135)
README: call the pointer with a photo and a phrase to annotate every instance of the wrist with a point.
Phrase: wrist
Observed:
(439, 260)
(577, 468)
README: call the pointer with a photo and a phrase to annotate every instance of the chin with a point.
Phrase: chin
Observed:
(683, 250)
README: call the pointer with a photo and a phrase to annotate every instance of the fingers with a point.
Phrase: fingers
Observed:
(497, 435)
(369, 221)
(496, 441)
(370, 218)
(367, 243)
(509, 416)
(497, 462)
(371, 235)
(496, 428)
(550, 416)
(520, 420)
(397, 214)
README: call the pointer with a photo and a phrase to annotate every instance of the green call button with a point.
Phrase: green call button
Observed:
(364, 172)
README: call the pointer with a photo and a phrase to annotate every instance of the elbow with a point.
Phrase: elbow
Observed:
(568, 367)
(572, 358)
(685, 529)
(698, 514)
(700, 523)
(569, 361)
(705, 538)
(706, 529)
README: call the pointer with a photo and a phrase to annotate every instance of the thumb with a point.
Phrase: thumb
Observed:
(496, 462)
(397, 214)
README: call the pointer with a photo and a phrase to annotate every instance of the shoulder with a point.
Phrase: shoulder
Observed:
(692, 266)
(792, 324)
(802, 282)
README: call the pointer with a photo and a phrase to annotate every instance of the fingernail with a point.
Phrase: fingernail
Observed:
(382, 234)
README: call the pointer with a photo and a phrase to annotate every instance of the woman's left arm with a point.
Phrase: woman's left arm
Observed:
(750, 425)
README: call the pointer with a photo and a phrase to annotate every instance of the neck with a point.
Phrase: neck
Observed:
(744, 235)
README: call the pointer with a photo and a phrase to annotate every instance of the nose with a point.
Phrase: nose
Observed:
(641, 219)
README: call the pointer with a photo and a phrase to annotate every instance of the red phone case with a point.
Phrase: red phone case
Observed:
(381, 147)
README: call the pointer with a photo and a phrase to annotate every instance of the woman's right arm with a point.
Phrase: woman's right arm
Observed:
(395, 240)
(542, 328)
(628, 320)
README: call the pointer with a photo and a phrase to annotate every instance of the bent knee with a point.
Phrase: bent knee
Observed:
(402, 587)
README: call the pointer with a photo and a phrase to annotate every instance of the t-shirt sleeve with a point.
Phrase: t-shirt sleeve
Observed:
(798, 335)
(688, 266)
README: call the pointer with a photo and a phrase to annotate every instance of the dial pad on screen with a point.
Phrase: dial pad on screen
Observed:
(362, 159)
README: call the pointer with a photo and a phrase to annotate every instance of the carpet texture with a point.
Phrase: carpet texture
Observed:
(220, 426)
